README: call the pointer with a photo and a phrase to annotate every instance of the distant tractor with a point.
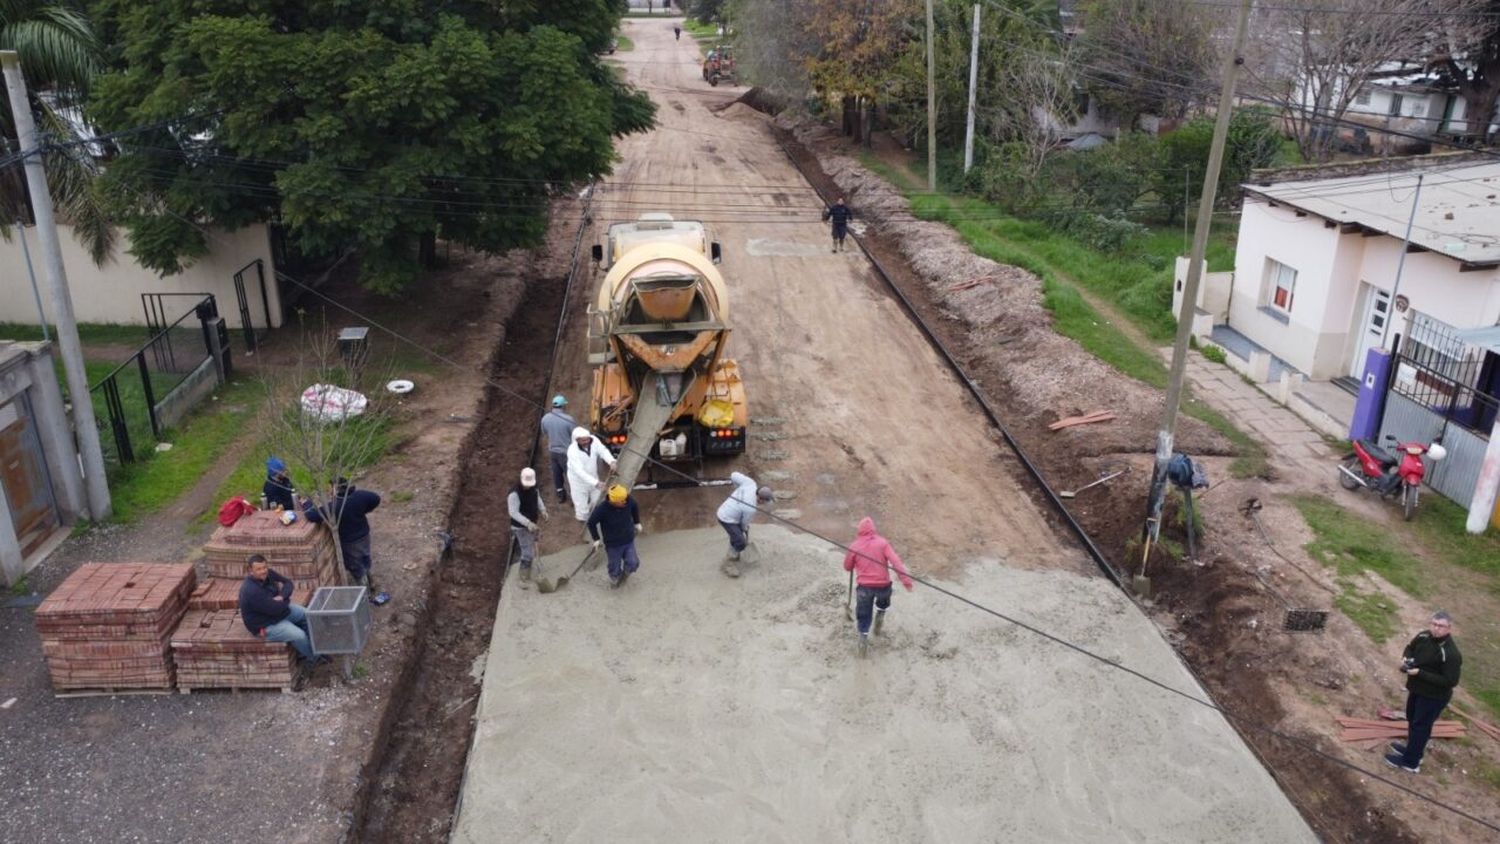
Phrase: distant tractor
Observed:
(718, 65)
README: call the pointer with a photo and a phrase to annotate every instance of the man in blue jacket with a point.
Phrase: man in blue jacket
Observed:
(614, 523)
(277, 489)
(267, 609)
(350, 510)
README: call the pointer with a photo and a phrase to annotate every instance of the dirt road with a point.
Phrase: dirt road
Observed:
(687, 705)
(852, 413)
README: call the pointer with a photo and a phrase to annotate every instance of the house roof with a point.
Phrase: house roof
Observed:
(1458, 214)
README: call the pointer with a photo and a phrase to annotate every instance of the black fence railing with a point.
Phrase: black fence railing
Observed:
(145, 394)
(253, 273)
(1459, 402)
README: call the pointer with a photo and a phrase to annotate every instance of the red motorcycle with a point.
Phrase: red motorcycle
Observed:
(1372, 467)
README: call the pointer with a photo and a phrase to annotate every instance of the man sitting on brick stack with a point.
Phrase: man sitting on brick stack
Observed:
(267, 608)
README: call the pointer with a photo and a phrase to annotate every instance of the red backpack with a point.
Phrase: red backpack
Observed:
(234, 509)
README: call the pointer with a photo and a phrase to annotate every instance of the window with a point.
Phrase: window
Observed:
(1281, 283)
(1395, 105)
(1363, 97)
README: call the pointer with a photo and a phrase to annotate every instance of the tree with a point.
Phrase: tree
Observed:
(376, 126)
(859, 48)
(1149, 56)
(1321, 53)
(705, 11)
(59, 56)
(1468, 58)
(1253, 141)
(771, 44)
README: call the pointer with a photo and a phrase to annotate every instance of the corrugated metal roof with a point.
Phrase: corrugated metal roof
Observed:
(1458, 214)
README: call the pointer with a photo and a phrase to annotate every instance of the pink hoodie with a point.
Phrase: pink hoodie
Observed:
(869, 555)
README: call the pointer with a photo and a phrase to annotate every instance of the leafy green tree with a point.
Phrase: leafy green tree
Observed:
(59, 56)
(377, 125)
(1253, 141)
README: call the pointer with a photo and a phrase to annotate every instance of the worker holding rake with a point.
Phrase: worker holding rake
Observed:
(870, 561)
(736, 514)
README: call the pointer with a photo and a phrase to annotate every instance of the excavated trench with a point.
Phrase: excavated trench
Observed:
(413, 794)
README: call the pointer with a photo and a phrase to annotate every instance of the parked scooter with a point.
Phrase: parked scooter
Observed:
(1372, 467)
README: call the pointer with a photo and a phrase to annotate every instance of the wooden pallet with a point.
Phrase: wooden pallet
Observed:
(68, 693)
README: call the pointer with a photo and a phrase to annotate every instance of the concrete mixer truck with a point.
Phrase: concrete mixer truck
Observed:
(658, 328)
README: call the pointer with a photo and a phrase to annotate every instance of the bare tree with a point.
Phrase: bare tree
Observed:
(1149, 56)
(320, 440)
(1317, 55)
(1041, 100)
(1467, 57)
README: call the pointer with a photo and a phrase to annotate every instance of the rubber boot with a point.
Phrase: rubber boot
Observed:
(525, 577)
(879, 618)
(731, 565)
(864, 645)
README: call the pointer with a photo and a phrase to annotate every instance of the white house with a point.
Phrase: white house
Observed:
(1404, 98)
(1316, 262)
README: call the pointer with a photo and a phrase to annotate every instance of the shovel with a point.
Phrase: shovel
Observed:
(547, 587)
(1070, 493)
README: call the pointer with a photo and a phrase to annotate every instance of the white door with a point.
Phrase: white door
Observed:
(1372, 327)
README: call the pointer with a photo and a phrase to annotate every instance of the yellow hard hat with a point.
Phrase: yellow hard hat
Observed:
(617, 494)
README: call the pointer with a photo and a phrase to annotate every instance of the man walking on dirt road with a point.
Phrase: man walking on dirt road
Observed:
(615, 523)
(871, 558)
(735, 515)
(840, 215)
(1431, 663)
(527, 510)
(558, 426)
(583, 471)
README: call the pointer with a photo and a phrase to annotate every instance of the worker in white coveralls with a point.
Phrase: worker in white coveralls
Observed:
(584, 483)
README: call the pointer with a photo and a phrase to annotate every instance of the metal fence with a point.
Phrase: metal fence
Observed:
(1425, 402)
(159, 382)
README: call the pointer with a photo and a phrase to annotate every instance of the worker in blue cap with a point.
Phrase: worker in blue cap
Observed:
(278, 488)
(557, 426)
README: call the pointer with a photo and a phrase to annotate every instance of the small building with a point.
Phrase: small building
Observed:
(41, 487)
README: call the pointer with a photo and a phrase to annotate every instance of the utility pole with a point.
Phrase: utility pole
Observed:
(84, 427)
(931, 107)
(973, 83)
(1385, 333)
(1232, 62)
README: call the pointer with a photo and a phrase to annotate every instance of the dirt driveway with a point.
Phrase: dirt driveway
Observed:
(737, 706)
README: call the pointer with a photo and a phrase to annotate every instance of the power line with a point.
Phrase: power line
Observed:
(1053, 638)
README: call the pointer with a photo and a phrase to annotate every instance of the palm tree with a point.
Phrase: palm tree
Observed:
(59, 55)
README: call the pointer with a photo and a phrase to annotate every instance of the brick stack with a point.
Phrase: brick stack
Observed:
(108, 626)
(213, 650)
(301, 551)
(221, 593)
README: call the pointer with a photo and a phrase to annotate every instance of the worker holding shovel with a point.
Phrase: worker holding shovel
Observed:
(870, 561)
(735, 515)
(527, 510)
(839, 215)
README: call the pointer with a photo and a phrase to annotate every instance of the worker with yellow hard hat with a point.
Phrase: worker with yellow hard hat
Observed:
(614, 523)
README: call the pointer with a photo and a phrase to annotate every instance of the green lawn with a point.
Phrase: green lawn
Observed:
(88, 333)
(146, 486)
(1351, 546)
(623, 44)
(1062, 264)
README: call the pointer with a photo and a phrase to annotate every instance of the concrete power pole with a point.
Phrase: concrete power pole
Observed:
(931, 106)
(84, 427)
(1232, 63)
(973, 84)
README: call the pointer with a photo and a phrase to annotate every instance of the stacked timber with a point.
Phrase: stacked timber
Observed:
(107, 627)
(213, 650)
(301, 551)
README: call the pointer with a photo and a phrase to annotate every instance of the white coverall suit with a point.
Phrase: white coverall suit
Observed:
(583, 472)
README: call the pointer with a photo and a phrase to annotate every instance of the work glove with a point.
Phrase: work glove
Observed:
(640, 528)
(596, 543)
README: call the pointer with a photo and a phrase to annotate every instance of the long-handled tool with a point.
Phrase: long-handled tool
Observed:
(547, 587)
(1069, 493)
(849, 601)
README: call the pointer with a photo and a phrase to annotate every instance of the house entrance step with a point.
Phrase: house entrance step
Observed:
(1348, 384)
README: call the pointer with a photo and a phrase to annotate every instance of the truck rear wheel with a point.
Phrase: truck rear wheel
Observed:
(713, 80)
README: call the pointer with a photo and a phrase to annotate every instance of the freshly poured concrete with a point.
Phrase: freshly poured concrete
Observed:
(690, 707)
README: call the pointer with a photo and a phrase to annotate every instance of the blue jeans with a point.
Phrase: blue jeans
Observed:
(293, 631)
(559, 469)
(1421, 713)
(622, 557)
(865, 599)
(738, 536)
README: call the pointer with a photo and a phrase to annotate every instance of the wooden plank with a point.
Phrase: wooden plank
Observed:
(109, 692)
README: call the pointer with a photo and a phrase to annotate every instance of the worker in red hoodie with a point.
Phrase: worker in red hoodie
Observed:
(872, 559)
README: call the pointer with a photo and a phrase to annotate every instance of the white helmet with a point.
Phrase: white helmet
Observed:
(1436, 451)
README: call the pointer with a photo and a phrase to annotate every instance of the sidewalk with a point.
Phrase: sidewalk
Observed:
(1289, 437)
